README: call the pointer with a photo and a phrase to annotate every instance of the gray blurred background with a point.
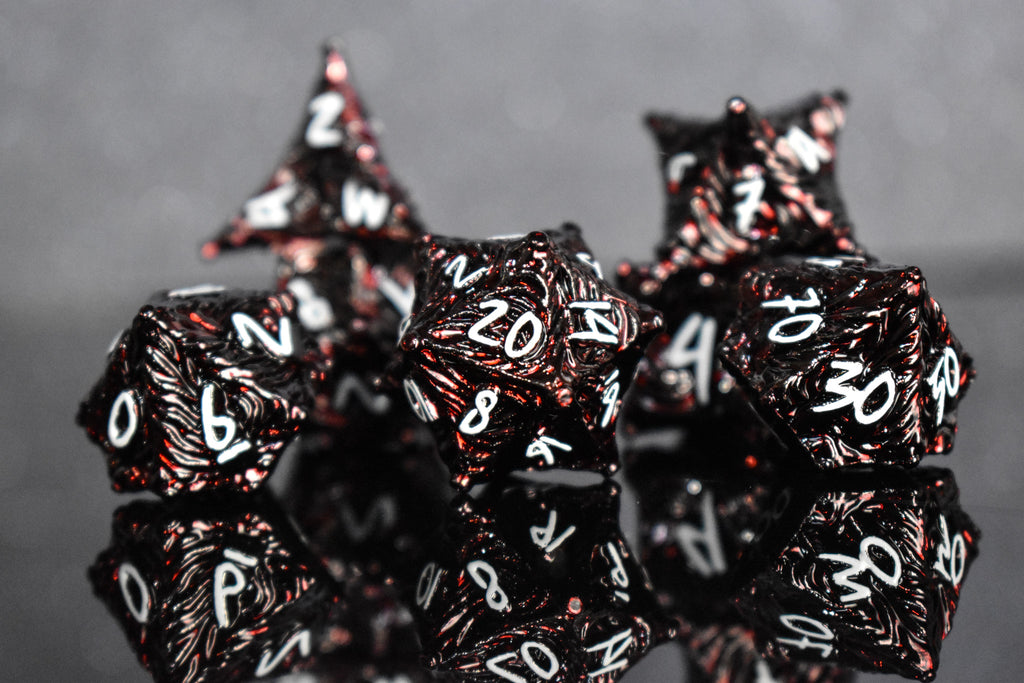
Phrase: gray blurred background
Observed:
(129, 131)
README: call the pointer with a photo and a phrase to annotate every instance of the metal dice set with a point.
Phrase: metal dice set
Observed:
(410, 375)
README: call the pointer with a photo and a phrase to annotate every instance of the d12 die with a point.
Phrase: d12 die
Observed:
(853, 363)
(203, 391)
(749, 185)
(538, 585)
(332, 180)
(527, 367)
(870, 579)
(214, 590)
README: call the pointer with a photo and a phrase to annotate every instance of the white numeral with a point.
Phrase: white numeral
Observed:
(361, 205)
(477, 418)
(222, 590)
(351, 385)
(944, 380)
(213, 422)
(427, 585)
(613, 649)
(865, 563)
(247, 328)
(127, 575)
(810, 321)
(592, 262)
(498, 310)
(421, 406)
(618, 573)
(541, 448)
(269, 211)
(677, 166)
(321, 131)
(849, 370)
(544, 536)
(483, 575)
(402, 298)
(457, 269)
(267, 663)
(683, 352)
(710, 561)
(807, 149)
(526, 651)
(315, 311)
(599, 327)
(380, 517)
(752, 191)
(811, 629)
(610, 398)
(124, 405)
(951, 560)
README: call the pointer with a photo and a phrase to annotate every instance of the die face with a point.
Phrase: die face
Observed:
(728, 652)
(533, 356)
(870, 579)
(204, 391)
(332, 180)
(213, 590)
(370, 510)
(834, 358)
(536, 564)
(748, 185)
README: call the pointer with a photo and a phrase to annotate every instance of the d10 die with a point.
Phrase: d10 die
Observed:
(853, 363)
(538, 585)
(214, 590)
(870, 579)
(203, 391)
(525, 368)
(332, 180)
(749, 185)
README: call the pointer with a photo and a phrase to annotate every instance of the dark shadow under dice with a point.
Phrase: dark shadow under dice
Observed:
(536, 583)
(747, 185)
(214, 590)
(525, 367)
(853, 363)
(331, 181)
(871, 577)
(203, 391)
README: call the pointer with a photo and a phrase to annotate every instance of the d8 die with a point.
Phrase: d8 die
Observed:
(853, 363)
(871, 578)
(526, 368)
(203, 391)
(749, 185)
(539, 585)
(213, 590)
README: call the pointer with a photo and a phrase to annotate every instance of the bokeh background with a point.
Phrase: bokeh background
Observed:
(129, 131)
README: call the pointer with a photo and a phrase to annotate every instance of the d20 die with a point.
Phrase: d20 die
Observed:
(870, 579)
(213, 590)
(526, 368)
(853, 363)
(203, 391)
(538, 584)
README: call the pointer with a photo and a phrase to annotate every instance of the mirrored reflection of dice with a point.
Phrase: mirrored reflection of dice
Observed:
(525, 365)
(214, 590)
(700, 513)
(203, 391)
(536, 584)
(853, 363)
(368, 510)
(749, 184)
(332, 180)
(870, 579)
